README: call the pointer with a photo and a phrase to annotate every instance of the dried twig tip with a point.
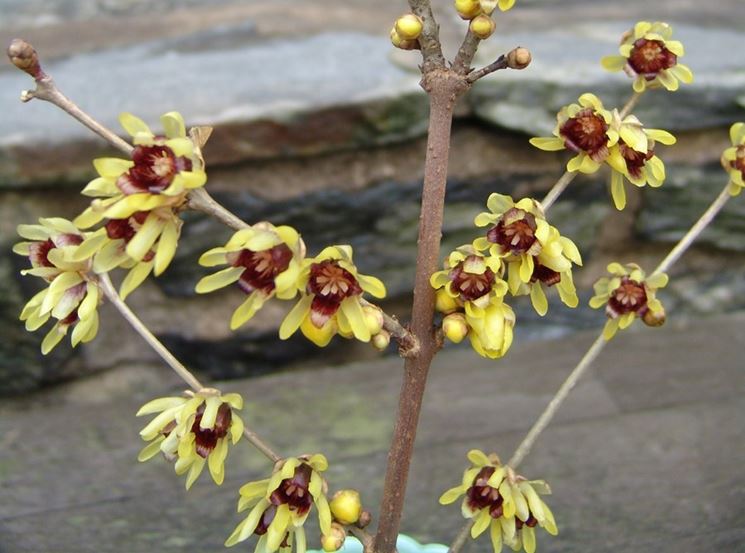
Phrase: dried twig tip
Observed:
(519, 58)
(24, 57)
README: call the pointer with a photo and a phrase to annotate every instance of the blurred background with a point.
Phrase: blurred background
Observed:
(320, 124)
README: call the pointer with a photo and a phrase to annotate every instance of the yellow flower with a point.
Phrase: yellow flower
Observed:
(470, 9)
(331, 291)
(57, 252)
(650, 57)
(629, 294)
(506, 504)
(145, 193)
(733, 159)
(585, 129)
(280, 505)
(471, 291)
(633, 157)
(264, 260)
(193, 430)
(535, 253)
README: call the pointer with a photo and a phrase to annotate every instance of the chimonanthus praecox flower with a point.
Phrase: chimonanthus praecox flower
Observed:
(633, 157)
(280, 505)
(506, 504)
(470, 292)
(534, 251)
(264, 260)
(469, 9)
(140, 197)
(650, 57)
(57, 254)
(193, 430)
(585, 129)
(733, 159)
(331, 292)
(629, 294)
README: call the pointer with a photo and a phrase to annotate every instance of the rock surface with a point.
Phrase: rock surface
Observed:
(654, 418)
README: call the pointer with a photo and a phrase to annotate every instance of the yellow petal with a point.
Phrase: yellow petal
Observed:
(53, 337)
(247, 309)
(548, 144)
(112, 167)
(219, 280)
(167, 245)
(173, 124)
(134, 278)
(613, 63)
(618, 192)
(133, 124)
(538, 298)
(295, 317)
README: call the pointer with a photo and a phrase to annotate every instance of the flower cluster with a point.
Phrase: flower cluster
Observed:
(470, 292)
(650, 57)
(629, 294)
(535, 253)
(330, 302)
(506, 504)
(633, 157)
(584, 128)
(193, 430)
(263, 260)
(280, 505)
(406, 31)
(140, 198)
(478, 13)
(60, 254)
(733, 159)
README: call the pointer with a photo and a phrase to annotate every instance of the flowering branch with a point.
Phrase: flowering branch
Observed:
(557, 189)
(429, 40)
(184, 373)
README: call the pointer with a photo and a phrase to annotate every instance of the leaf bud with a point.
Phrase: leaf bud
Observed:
(365, 519)
(346, 506)
(24, 57)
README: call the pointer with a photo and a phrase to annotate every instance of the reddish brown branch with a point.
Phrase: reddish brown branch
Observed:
(429, 40)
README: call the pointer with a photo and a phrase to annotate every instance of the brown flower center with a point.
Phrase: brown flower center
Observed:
(482, 496)
(206, 438)
(739, 162)
(649, 57)
(629, 297)
(266, 519)
(294, 492)
(125, 229)
(635, 161)
(547, 276)
(585, 132)
(471, 286)
(515, 231)
(330, 284)
(261, 268)
(153, 171)
(531, 522)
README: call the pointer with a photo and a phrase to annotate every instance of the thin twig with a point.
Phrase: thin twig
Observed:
(500, 63)
(429, 40)
(462, 537)
(466, 52)
(184, 373)
(695, 231)
(200, 200)
(363, 535)
(557, 189)
(630, 104)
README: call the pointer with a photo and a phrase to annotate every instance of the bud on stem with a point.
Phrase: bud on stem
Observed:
(25, 58)
(519, 58)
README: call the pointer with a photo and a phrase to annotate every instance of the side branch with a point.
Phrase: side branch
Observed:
(408, 343)
(466, 52)
(518, 58)
(429, 40)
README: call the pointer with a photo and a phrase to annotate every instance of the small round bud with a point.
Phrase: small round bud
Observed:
(373, 318)
(444, 303)
(346, 506)
(409, 26)
(24, 57)
(334, 540)
(365, 519)
(381, 340)
(402, 43)
(455, 327)
(467, 9)
(519, 58)
(482, 26)
(654, 318)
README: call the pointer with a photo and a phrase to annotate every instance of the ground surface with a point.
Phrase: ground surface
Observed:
(647, 454)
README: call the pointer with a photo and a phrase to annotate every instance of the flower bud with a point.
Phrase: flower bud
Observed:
(467, 9)
(482, 26)
(488, 6)
(24, 57)
(409, 26)
(455, 327)
(373, 318)
(402, 43)
(654, 318)
(346, 506)
(334, 540)
(444, 302)
(381, 340)
(519, 58)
